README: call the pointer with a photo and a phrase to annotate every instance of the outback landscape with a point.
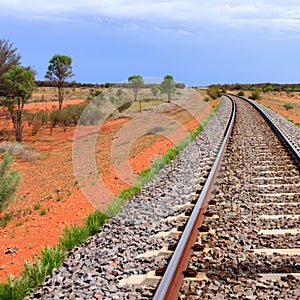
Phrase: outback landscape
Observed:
(48, 197)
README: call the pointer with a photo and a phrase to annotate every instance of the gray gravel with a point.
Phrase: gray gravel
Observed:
(286, 126)
(94, 270)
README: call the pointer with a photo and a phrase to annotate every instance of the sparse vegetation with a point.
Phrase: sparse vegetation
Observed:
(288, 105)
(206, 98)
(19, 150)
(4, 219)
(148, 174)
(255, 94)
(34, 274)
(214, 92)
(9, 180)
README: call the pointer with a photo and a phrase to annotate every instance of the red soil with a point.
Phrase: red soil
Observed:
(50, 183)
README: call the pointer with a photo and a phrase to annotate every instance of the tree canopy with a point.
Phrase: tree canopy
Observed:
(8, 58)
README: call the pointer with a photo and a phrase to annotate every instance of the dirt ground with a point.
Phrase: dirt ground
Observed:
(275, 101)
(49, 196)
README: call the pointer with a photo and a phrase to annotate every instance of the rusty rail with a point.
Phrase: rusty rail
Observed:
(170, 283)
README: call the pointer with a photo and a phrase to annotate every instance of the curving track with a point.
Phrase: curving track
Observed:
(248, 244)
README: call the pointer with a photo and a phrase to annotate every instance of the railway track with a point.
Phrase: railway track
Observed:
(246, 238)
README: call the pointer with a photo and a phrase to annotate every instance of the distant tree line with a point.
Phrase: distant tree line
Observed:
(46, 83)
(264, 87)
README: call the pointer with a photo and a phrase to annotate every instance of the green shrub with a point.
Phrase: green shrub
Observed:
(255, 95)
(288, 105)
(9, 180)
(38, 120)
(124, 106)
(214, 92)
(241, 93)
(206, 98)
(90, 116)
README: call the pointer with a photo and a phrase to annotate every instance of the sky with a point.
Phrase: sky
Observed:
(198, 42)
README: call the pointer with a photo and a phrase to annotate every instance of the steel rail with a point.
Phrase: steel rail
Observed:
(281, 135)
(170, 283)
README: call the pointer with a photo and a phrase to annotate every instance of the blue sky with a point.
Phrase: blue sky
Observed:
(199, 42)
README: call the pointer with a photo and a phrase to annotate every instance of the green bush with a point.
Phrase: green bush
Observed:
(90, 116)
(124, 106)
(255, 95)
(214, 92)
(206, 98)
(8, 180)
(288, 105)
(38, 120)
(241, 93)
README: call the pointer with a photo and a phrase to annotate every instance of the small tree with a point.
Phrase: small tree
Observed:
(168, 86)
(120, 94)
(8, 58)
(19, 84)
(59, 70)
(137, 82)
(154, 90)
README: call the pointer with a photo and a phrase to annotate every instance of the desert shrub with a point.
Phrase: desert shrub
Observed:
(90, 116)
(268, 88)
(8, 180)
(114, 100)
(241, 93)
(255, 95)
(124, 106)
(155, 129)
(206, 98)
(76, 110)
(288, 105)
(39, 119)
(19, 150)
(214, 92)
(154, 90)
(28, 117)
(55, 117)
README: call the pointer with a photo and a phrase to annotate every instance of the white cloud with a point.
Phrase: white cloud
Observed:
(186, 15)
